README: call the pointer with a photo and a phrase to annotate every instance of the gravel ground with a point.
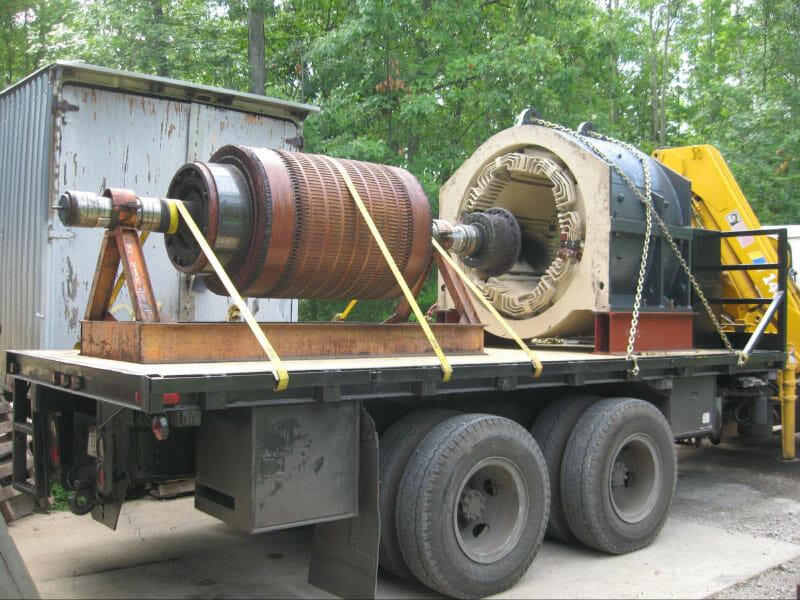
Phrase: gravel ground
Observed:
(745, 489)
(781, 582)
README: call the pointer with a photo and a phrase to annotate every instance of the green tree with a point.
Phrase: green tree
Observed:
(26, 30)
(743, 96)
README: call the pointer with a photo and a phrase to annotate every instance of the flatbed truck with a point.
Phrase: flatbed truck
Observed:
(448, 470)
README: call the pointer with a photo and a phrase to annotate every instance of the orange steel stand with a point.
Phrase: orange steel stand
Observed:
(121, 244)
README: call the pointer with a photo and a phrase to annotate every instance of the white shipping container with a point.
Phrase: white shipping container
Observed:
(80, 127)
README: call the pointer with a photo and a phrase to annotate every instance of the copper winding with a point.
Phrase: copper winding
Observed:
(302, 236)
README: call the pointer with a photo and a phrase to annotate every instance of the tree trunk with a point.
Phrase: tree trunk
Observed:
(662, 134)
(765, 37)
(737, 19)
(159, 49)
(653, 76)
(614, 61)
(255, 48)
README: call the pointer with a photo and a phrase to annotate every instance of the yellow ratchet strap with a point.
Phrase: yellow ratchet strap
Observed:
(278, 370)
(537, 365)
(121, 279)
(447, 370)
(343, 315)
(174, 221)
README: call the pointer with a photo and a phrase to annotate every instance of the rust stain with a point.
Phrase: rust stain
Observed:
(144, 108)
(170, 130)
(94, 97)
(130, 103)
(69, 291)
(71, 282)
(253, 119)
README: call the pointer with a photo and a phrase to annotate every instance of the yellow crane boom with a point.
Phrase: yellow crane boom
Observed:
(719, 204)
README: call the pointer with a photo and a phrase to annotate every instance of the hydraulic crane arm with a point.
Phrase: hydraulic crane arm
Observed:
(719, 204)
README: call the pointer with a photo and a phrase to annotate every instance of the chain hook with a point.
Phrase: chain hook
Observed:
(634, 370)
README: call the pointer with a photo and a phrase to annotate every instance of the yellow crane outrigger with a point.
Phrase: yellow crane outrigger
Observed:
(719, 204)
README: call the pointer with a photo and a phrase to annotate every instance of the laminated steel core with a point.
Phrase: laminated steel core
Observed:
(284, 224)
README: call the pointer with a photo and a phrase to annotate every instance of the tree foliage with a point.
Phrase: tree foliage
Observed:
(420, 84)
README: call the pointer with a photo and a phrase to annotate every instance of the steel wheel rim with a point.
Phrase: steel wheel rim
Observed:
(491, 510)
(634, 482)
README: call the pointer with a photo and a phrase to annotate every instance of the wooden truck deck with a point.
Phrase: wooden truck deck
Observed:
(219, 384)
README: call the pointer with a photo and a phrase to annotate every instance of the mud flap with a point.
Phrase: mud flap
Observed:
(107, 514)
(344, 557)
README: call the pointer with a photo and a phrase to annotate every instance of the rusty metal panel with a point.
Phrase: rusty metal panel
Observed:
(109, 138)
(74, 126)
(211, 127)
(191, 342)
(657, 331)
(25, 136)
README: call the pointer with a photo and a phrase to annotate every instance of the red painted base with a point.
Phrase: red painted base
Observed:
(656, 331)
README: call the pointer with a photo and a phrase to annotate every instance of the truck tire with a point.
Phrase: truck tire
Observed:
(472, 506)
(618, 475)
(396, 445)
(551, 431)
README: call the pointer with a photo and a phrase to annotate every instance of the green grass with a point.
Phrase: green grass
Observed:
(59, 498)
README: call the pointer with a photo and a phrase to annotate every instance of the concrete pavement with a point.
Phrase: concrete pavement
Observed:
(166, 549)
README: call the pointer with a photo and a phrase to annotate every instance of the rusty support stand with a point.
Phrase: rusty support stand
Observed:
(122, 245)
(459, 293)
(461, 299)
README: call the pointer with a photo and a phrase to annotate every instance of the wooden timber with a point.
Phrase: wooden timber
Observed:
(138, 342)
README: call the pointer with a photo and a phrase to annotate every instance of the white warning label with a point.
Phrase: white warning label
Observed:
(736, 223)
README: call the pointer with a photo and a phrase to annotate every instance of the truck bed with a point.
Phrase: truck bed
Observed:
(216, 385)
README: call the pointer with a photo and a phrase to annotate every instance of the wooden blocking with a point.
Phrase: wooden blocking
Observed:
(173, 489)
(191, 342)
(20, 506)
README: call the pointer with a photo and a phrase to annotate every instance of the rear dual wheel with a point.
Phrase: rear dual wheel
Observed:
(396, 446)
(552, 431)
(472, 506)
(618, 475)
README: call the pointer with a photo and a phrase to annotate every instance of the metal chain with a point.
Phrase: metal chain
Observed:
(637, 300)
(651, 213)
